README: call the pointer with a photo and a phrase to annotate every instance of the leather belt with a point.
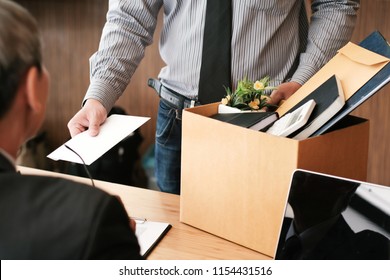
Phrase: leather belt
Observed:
(175, 99)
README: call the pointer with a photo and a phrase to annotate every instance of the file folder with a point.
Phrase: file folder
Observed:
(377, 43)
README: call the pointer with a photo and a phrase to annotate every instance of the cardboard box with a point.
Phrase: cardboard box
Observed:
(234, 181)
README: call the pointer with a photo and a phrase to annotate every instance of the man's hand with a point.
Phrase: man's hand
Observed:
(283, 92)
(90, 117)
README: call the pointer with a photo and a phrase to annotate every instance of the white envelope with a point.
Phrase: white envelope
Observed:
(89, 148)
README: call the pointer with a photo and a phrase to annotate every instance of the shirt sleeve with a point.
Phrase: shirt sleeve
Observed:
(331, 27)
(128, 30)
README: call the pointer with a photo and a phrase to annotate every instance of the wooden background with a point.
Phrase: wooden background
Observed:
(72, 29)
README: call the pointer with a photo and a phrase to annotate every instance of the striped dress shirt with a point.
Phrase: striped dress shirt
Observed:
(269, 38)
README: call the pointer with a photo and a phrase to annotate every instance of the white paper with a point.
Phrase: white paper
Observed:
(112, 131)
(223, 109)
(149, 233)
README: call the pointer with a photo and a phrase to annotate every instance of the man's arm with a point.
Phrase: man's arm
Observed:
(331, 27)
(128, 30)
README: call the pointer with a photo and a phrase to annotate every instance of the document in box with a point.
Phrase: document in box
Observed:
(353, 65)
(90, 148)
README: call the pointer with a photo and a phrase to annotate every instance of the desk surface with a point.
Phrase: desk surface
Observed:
(182, 241)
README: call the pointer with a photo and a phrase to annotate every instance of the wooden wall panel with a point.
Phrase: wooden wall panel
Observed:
(72, 29)
(374, 15)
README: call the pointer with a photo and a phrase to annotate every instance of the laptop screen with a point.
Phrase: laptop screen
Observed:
(329, 217)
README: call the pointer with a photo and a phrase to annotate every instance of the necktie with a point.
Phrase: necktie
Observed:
(215, 68)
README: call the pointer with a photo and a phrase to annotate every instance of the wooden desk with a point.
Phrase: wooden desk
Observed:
(182, 241)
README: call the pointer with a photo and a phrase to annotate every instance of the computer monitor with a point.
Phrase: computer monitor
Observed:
(330, 217)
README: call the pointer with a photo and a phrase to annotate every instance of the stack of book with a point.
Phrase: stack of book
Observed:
(367, 72)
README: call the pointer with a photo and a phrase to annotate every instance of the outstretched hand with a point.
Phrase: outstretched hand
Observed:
(90, 117)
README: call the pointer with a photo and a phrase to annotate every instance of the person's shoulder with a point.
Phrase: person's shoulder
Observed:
(78, 219)
(72, 190)
(63, 184)
(52, 188)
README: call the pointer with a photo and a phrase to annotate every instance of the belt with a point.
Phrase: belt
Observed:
(174, 98)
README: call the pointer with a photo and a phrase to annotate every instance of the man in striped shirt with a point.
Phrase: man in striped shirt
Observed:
(269, 38)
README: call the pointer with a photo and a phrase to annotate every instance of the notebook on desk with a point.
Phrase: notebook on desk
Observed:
(149, 234)
(335, 218)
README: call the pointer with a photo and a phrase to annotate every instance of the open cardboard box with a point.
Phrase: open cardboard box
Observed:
(234, 181)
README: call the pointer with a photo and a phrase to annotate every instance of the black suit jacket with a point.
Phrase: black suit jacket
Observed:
(341, 243)
(53, 218)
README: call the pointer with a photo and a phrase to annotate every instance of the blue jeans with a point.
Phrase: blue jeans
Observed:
(168, 149)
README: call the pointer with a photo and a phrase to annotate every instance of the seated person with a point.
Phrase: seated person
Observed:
(45, 217)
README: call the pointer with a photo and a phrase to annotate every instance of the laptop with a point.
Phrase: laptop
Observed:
(334, 218)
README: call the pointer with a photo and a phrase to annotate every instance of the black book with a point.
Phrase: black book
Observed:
(375, 42)
(253, 120)
(329, 98)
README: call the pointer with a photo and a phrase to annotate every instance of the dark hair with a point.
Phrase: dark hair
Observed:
(20, 49)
